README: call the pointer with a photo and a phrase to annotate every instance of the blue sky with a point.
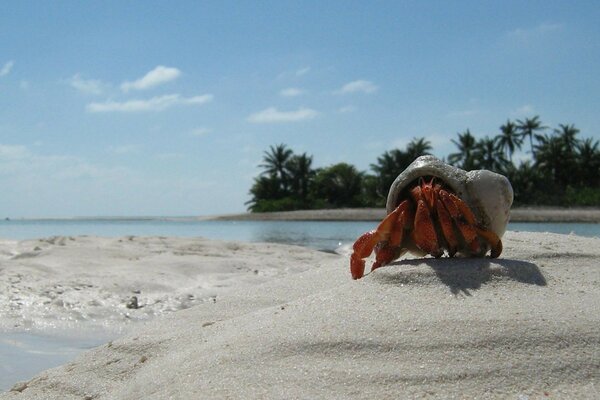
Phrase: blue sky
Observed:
(166, 108)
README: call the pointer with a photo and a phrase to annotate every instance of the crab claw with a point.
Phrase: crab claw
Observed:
(388, 232)
(390, 250)
(362, 248)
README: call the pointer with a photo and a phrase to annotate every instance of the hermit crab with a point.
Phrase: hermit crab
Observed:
(435, 208)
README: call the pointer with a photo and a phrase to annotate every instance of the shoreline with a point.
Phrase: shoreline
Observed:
(524, 214)
(518, 214)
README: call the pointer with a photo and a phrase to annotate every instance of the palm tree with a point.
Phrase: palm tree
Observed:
(530, 127)
(552, 159)
(418, 147)
(389, 165)
(467, 147)
(274, 163)
(509, 140)
(264, 189)
(339, 185)
(588, 161)
(490, 155)
(568, 135)
(300, 174)
(526, 180)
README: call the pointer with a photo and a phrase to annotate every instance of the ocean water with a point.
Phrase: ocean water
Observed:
(320, 235)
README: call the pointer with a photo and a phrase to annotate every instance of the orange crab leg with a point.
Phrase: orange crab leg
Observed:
(424, 234)
(471, 231)
(391, 250)
(447, 228)
(362, 248)
(489, 236)
(493, 240)
(364, 245)
(463, 218)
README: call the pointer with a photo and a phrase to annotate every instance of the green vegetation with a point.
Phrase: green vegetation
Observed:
(563, 170)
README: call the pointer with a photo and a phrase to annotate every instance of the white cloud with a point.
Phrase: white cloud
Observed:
(294, 73)
(291, 92)
(302, 71)
(358, 86)
(157, 76)
(158, 103)
(200, 132)
(523, 111)
(346, 109)
(88, 86)
(21, 164)
(6, 68)
(273, 115)
(528, 34)
(13, 152)
(124, 149)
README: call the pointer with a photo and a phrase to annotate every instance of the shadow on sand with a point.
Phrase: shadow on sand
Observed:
(465, 274)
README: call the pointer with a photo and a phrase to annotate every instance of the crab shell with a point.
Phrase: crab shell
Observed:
(488, 194)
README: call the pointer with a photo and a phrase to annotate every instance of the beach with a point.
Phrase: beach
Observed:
(524, 214)
(214, 319)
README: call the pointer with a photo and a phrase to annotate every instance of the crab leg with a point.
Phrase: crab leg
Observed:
(470, 230)
(391, 249)
(364, 245)
(447, 228)
(424, 234)
(493, 240)
(463, 218)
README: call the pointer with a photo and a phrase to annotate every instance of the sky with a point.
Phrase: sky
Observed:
(122, 108)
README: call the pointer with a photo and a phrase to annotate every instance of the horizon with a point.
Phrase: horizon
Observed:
(115, 109)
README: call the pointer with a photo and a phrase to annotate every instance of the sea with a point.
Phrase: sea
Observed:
(319, 235)
(24, 354)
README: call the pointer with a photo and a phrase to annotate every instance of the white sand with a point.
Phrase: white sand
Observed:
(523, 326)
(71, 284)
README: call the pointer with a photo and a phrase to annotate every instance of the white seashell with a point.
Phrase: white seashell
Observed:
(487, 193)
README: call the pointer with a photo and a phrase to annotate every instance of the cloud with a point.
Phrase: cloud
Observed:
(358, 86)
(200, 132)
(523, 111)
(157, 76)
(13, 152)
(6, 68)
(272, 115)
(292, 92)
(538, 31)
(346, 109)
(124, 149)
(294, 73)
(88, 86)
(21, 164)
(302, 71)
(158, 103)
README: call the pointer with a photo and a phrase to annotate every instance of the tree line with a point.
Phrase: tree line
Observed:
(561, 170)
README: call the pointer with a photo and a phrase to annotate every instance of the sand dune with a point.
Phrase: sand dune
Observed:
(524, 325)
